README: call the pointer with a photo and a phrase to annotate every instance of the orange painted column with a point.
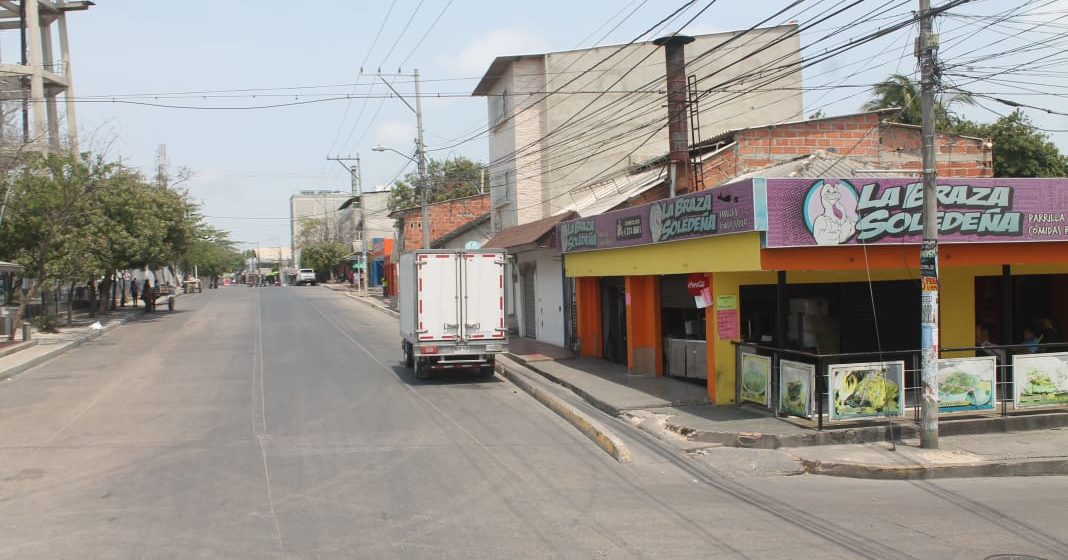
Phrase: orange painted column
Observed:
(710, 342)
(588, 309)
(645, 352)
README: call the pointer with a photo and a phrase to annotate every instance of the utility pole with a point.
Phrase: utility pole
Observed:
(420, 154)
(357, 190)
(926, 45)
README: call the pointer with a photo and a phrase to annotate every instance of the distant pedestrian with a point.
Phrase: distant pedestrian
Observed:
(146, 296)
(133, 293)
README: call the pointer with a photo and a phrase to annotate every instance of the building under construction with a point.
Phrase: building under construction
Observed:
(35, 73)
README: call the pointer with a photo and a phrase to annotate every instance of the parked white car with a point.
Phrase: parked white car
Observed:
(306, 276)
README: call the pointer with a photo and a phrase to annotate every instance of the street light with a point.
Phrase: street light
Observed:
(421, 162)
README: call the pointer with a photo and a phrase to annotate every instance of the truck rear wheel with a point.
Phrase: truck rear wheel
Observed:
(487, 369)
(422, 369)
(409, 359)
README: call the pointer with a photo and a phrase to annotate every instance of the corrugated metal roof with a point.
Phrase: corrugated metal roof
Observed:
(602, 197)
(528, 233)
(824, 164)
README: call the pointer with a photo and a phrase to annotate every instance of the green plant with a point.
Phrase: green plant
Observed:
(48, 323)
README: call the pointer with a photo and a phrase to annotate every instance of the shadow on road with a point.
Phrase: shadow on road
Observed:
(445, 377)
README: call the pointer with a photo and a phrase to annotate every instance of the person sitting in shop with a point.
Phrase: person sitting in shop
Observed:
(1030, 340)
(982, 340)
(1048, 334)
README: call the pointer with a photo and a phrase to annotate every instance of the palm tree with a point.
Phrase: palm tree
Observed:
(900, 92)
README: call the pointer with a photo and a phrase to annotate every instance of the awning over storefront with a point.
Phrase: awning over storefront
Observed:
(526, 236)
(7, 267)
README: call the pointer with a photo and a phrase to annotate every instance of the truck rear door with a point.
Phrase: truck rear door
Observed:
(437, 301)
(483, 296)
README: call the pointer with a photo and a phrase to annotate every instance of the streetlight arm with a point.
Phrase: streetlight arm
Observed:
(385, 149)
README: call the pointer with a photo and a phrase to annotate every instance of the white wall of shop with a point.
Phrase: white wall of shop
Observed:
(548, 296)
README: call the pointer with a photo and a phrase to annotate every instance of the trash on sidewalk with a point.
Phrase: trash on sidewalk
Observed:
(96, 326)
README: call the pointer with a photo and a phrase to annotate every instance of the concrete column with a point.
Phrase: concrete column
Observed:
(37, 97)
(710, 341)
(588, 310)
(64, 53)
(51, 107)
(644, 335)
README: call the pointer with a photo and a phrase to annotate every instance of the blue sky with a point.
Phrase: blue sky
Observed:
(246, 162)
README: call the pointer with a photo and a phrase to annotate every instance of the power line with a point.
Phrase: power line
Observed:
(433, 24)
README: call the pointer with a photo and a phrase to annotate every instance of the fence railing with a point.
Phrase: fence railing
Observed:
(1003, 393)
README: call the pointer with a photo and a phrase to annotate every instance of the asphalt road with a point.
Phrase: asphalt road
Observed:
(277, 422)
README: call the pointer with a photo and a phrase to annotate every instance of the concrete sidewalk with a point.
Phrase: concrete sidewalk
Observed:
(45, 346)
(1031, 453)
(977, 445)
(373, 299)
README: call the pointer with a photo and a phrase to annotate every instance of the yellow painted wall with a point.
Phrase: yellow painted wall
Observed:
(727, 283)
(710, 254)
(734, 261)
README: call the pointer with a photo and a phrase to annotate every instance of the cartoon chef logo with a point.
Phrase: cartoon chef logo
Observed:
(831, 211)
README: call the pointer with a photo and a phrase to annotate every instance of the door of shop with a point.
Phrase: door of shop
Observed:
(614, 319)
(530, 321)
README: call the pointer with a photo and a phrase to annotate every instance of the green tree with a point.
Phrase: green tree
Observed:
(312, 230)
(324, 258)
(46, 212)
(1020, 150)
(900, 92)
(211, 253)
(449, 179)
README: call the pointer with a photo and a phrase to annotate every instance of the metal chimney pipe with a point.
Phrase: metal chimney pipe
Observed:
(678, 128)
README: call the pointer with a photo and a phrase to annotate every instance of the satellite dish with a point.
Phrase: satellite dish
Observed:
(472, 245)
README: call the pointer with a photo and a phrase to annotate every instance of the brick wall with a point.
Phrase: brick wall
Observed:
(444, 218)
(861, 136)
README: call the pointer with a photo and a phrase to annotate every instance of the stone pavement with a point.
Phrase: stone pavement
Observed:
(679, 413)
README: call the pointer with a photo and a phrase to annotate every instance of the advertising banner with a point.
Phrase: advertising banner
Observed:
(716, 211)
(1040, 379)
(755, 381)
(804, 212)
(728, 326)
(864, 390)
(967, 384)
(797, 382)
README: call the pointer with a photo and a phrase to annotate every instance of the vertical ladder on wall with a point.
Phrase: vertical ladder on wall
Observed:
(695, 131)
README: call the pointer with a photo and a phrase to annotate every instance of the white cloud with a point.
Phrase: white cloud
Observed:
(475, 58)
(398, 135)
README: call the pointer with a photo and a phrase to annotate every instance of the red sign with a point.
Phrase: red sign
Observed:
(696, 283)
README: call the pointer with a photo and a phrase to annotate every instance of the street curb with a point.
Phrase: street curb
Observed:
(1038, 420)
(20, 346)
(366, 301)
(591, 428)
(585, 395)
(62, 349)
(1022, 467)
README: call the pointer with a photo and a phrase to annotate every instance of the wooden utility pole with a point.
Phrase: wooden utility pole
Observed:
(926, 45)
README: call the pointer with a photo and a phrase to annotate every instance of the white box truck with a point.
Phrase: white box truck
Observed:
(451, 305)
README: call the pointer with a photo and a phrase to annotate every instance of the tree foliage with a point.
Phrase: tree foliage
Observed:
(900, 92)
(449, 179)
(72, 219)
(1020, 150)
(312, 230)
(323, 257)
